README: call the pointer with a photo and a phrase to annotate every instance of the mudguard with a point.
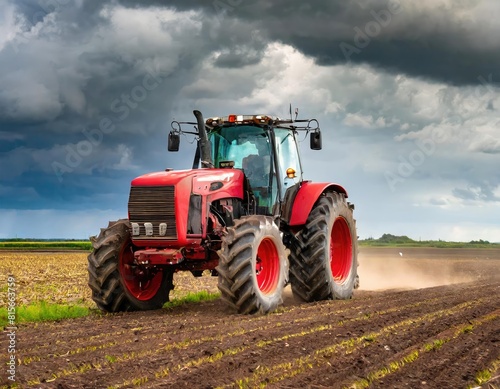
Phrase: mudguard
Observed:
(306, 197)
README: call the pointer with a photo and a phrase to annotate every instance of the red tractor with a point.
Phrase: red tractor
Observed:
(246, 215)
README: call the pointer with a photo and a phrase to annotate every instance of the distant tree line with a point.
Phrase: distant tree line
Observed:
(396, 240)
(40, 240)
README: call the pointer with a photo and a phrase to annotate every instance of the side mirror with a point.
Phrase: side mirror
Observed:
(316, 140)
(174, 141)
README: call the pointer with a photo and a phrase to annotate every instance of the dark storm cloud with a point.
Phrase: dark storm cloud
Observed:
(452, 42)
(88, 88)
(87, 95)
(85, 99)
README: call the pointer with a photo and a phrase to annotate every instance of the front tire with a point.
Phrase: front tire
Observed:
(323, 260)
(117, 282)
(253, 265)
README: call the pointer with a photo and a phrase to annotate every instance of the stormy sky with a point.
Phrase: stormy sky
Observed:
(407, 95)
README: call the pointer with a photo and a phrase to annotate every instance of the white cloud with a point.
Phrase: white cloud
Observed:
(357, 120)
(126, 158)
(486, 144)
(27, 99)
(137, 35)
(8, 27)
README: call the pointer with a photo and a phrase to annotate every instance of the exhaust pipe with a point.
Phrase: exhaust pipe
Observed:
(204, 143)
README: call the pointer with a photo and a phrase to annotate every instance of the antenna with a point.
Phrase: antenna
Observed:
(296, 113)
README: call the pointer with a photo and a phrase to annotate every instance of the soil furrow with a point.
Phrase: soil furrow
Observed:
(136, 331)
(472, 347)
(389, 338)
(297, 342)
(138, 335)
(323, 362)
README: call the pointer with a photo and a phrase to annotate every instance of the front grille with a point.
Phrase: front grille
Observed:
(153, 204)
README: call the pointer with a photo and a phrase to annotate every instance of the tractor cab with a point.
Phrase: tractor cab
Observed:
(264, 148)
(263, 153)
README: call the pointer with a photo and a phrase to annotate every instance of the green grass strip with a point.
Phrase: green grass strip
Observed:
(43, 311)
(192, 297)
(27, 245)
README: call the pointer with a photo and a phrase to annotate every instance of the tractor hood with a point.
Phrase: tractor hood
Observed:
(171, 208)
(163, 178)
(200, 178)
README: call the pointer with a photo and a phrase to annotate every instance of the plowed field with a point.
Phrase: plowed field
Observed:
(423, 318)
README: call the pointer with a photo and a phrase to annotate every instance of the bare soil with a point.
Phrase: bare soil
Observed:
(425, 318)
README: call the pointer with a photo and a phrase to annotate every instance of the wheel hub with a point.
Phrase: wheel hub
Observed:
(340, 250)
(267, 266)
(142, 281)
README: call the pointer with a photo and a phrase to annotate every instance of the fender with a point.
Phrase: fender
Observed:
(307, 196)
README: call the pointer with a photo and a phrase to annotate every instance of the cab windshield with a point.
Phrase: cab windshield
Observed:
(250, 150)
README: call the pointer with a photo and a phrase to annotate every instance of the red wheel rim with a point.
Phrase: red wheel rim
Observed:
(140, 284)
(340, 250)
(267, 267)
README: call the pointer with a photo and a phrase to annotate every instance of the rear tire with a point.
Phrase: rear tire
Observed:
(253, 265)
(323, 260)
(117, 283)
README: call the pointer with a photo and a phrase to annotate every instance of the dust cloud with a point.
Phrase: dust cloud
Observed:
(381, 268)
(416, 268)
